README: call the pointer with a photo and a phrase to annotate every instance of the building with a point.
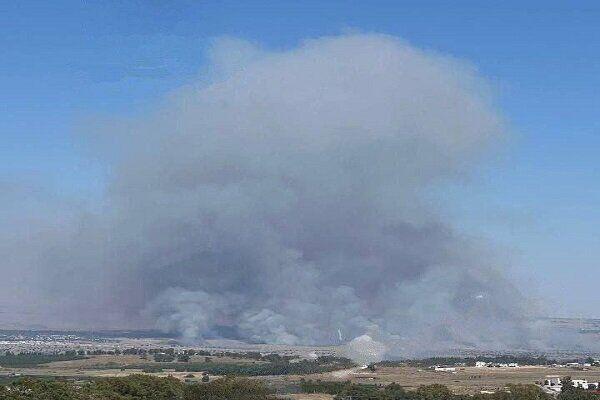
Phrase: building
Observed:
(580, 383)
(553, 384)
(438, 368)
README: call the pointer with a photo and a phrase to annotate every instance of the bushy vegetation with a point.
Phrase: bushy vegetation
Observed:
(163, 357)
(278, 366)
(310, 386)
(136, 387)
(570, 392)
(144, 387)
(348, 390)
(228, 389)
(24, 360)
(353, 391)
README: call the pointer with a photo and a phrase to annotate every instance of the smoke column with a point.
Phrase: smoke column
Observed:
(284, 196)
(364, 350)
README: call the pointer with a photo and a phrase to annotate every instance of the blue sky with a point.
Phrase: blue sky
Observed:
(63, 61)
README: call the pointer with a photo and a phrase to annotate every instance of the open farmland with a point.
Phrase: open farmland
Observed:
(468, 380)
(465, 380)
(95, 366)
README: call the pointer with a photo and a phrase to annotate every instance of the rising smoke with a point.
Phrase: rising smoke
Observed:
(288, 198)
(364, 350)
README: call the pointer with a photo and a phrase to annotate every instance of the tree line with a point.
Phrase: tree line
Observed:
(144, 387)
(136, 387)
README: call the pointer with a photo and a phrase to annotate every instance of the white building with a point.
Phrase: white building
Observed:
(480, 364)
(552, 381)
(580, 383)
(553, 384)
(437, 368)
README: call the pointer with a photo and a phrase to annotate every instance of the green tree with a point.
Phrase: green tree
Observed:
(229, 388)
(434, 392)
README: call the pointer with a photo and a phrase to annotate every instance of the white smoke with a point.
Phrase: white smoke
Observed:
(363, 350)
(286, 197)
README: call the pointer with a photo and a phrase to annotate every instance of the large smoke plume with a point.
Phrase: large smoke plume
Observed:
(289, 198)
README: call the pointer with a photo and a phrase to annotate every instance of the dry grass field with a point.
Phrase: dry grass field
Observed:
(464, 380)
(112, 366)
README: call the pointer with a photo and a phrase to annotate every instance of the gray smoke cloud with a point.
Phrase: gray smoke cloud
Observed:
(288, 196)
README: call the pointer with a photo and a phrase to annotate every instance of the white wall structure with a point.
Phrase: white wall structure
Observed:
(553, 384)
(581, 383)
(444, 369)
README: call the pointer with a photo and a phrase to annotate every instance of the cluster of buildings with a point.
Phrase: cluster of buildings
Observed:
(478, 364)
(575, 365)
(554, 384)
(23, 342)
(439, 368)
(578, 365)
(48, 343)
(483, 364)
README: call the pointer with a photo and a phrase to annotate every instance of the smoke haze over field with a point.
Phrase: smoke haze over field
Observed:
(283, 199)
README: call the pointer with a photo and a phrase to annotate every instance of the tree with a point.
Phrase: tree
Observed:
(393, 391)
(526, 392)
(434, 392)
(570, 392)
(228, 389)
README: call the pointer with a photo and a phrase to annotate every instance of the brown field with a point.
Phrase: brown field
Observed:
(465, 380)
(110, 366)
